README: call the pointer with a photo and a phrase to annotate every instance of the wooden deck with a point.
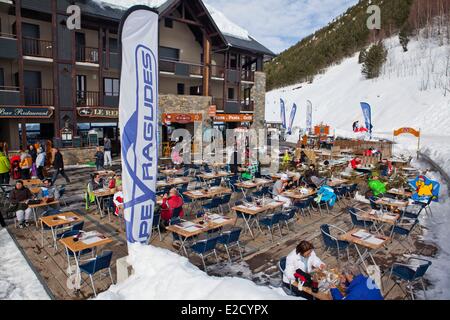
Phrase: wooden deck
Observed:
(260, 254)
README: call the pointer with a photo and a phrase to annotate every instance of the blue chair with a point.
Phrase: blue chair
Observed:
(357, 221)
(230, 239)
(215, 182)
(411, 273)
(200, 214)
(304, 204)
(199, 181)
(225, 201)
(373, 205)
(156, 223)
(212, 205)
(281, 267)
(76, 228)
(62, 192)
(413, 212)
(206, 247)
(184, 188)
(97, 264)
(333, 243)
(351, 190)
(288, 217)
(426, 206)
(272, 221)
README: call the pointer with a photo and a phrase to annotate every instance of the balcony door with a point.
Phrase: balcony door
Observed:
(80, 41)
(31, 34)
(33, 87)
(81, 90)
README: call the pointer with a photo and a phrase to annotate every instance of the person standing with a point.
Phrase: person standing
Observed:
(40, 163)
(4, 167)
(107, 148)
(99, 159)
(58, 165)
(26, 162)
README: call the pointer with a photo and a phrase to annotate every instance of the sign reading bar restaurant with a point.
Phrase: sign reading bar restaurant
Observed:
(26, 112)
(111, 113)
(233, 117)
(169, 118)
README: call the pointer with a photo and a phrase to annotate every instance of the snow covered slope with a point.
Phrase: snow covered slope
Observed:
(163, 275)
(414, 91)
(17, 280)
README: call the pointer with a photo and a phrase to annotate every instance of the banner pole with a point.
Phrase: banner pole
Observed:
(418, 144)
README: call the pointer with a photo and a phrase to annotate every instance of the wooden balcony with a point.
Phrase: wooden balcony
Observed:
(37, 48)
(181, 68)
(88, 98)
(226, 105)
(87, 55)
(38, 97)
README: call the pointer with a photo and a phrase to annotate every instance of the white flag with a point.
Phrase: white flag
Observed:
(138, 119)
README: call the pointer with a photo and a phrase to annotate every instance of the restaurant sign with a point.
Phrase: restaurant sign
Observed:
(26, 112)
(233, 117)
(110, 113)
(169, 118)
(412, 131)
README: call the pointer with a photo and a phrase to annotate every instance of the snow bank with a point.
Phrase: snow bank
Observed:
(17, 280)
(223, 23)
(163, 275)
(409, 93)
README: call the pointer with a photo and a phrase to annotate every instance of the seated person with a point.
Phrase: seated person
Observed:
(170, 202)
(312, 177)
(355, 163)
(299, 264)
(376, 186)
(19, 197)
(115, 181)
(48, 192)
(95, 184)
(295, 182)
(118, 200)
(385, 168)
(357, 286)
(278, 188)
(252, 170)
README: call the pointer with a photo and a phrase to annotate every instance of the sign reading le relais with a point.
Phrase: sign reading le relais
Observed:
(26, 112)
(111, 113)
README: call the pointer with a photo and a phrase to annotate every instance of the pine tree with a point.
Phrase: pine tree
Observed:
(362, 56)
(375, 58)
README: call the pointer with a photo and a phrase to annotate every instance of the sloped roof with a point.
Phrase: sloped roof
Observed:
(250, 45)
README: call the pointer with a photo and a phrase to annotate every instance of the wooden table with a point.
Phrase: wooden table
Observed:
(104, 173)
(253, 184)
(337, 182)
(250, 212)
(207, 193)
(380, 220)
(388, 202)
(172, 182)
(401, 193)
(198, 227)
(40, 205)
(76, 247)
(368, 244)
(32, 182)
(210, 176)
(56, 221)
(297, 195)
(321, 295)
(171, 172)
(35, 190)
(99, 195)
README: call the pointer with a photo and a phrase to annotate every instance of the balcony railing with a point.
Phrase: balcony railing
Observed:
(7, 35)
(37, 47)
(219, 103)
(247, 75)
(38, 97)
(246, 106)
(87, 54)
(181, 67)
(88, 98)
(217, 71)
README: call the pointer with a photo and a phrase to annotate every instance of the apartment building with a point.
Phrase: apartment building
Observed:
(61, 84)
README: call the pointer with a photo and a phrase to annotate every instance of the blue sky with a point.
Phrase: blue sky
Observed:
(279, 24)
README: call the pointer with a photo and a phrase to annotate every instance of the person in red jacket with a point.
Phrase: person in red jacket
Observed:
(355, 163)
(171, 202)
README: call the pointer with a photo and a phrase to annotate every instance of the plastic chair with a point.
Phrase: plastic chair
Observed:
(204, 248)
(288, 217)
(62, 192)
(357, 221)
(97, 264)
(156, 223)
(230, 239)
(410, 273)
(304, 204)
(404, 228)
(333, 243)
(272, 221)
(281, 267)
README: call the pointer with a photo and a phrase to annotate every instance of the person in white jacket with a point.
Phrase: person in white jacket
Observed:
(304, 258)
(40, 163)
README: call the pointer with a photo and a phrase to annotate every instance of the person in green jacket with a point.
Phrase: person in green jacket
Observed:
(4, 168)
(376, 186)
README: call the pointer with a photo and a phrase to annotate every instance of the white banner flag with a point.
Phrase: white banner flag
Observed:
(138, 119)
(308, 116)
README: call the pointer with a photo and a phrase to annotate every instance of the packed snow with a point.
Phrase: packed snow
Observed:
(17, 280)
(164, 275)
(223, 23)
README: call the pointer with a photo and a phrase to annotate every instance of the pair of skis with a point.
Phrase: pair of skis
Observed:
(291, 117)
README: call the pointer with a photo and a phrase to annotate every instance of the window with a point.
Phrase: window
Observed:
(168, 23)
(111, 87)
(180, 88)
(2, 79)
(230, 93)
(233, 61)
(196, 91)
(169, 53)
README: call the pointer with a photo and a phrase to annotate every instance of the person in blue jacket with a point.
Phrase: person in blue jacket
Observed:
(358, 286)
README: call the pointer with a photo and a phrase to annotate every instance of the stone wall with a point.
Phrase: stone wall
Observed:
(259, 96)
(73, 156)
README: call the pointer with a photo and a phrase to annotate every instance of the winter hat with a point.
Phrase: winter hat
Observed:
(284, 177)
